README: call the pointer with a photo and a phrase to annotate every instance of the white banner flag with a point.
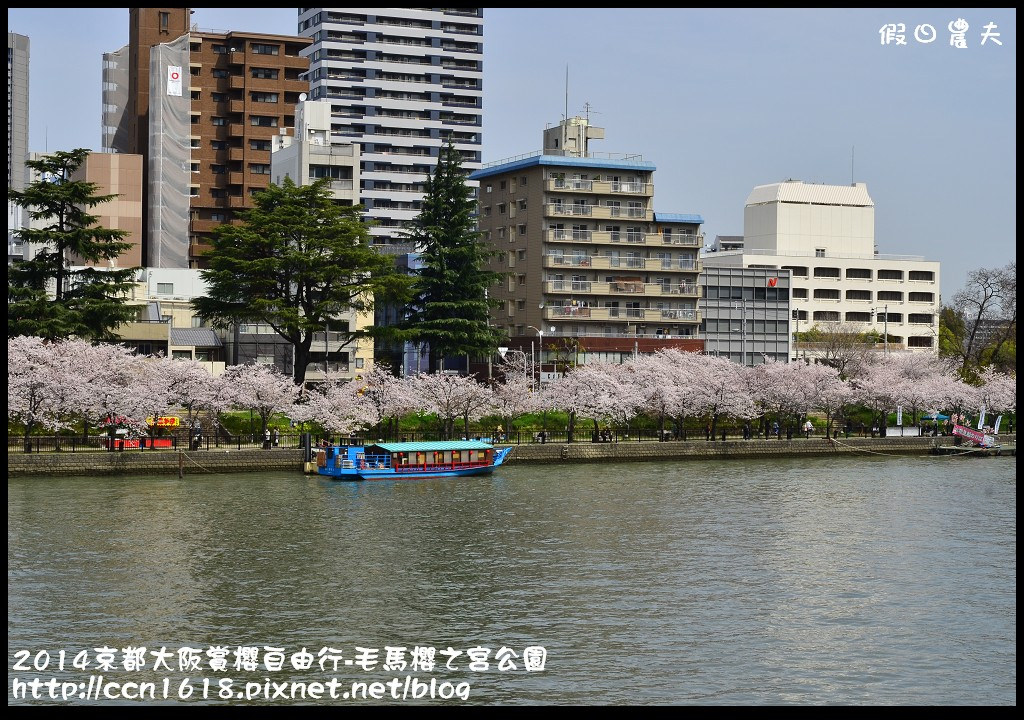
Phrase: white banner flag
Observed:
(995, 430)
(174, 80)
(981, 418)
(899, 415)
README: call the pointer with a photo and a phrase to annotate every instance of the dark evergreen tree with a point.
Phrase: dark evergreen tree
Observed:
(45, 296)
(450, 307)
(298, 262)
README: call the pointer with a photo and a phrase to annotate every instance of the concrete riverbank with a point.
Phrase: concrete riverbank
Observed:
(200, 462)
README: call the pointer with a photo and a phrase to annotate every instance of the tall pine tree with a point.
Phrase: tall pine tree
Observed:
(299, 262)
(88, 302)
(450, 310)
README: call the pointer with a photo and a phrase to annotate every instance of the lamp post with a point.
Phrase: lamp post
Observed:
(885, 320)
(533, 366)
(743, 331)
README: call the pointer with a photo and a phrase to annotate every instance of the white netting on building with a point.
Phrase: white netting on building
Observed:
(169, 154)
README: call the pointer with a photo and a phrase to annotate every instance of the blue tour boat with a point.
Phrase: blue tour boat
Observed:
(398, 461)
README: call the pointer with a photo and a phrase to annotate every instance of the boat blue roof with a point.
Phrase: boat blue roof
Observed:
(562, 160)
(678, 217)
(432, 446)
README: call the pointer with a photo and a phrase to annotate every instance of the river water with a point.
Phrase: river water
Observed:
(810, 580)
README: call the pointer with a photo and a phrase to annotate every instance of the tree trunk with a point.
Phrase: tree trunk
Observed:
(570, 428)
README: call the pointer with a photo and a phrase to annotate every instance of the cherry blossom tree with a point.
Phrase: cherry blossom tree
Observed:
(190, 387)
(512, 397)
(998, 392)
(583, 392)
(39, 378)
(337, 406)
(262, 389)
(449, 397)
(685, 374)
(722, 390)
(113, 386)
(387, 397)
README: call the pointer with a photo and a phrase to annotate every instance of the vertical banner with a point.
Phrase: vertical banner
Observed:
(995, 430)
(981, 418)
(899, 415)
(174, 80)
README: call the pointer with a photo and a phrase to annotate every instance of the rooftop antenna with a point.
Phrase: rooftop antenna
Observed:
(566, 116)
(587, 109)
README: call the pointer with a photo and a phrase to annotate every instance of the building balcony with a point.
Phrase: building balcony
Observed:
(237, 201)
(236, 130)
(596, 212)
(621, 287)
(236, 82)
(599, 187)
(690, 241)
(236, 154)
(597, 262)
(236, 178)
(236, 106)
(630, 315)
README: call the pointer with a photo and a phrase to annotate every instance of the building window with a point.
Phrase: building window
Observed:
(522, 229)
(819, 252)
(259, 145)
(219, 144)
(165, 288)
(890, 296)
(263, 120)
(165, 22)
(263, 49)
(259, 168)
(265, 73)
(502, 185)
(193, 191)
(220, 73)
(890, 274)
(826, 272)
(522, 254)
(922, 275)
(858, 273)
(922, 297)
(501, 208)
(218, 121)
(826, 294)
(217, 217)
(521, 279)
(220, 49)
(193, 143)
(219, 97)
(218, 169)
(264, 97)
(858, 295)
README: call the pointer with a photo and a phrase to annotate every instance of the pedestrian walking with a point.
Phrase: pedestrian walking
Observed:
(266, 439)
(808, 428)
(275, 436)
(775, 429)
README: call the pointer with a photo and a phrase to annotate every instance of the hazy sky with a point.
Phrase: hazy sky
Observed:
(719, 100)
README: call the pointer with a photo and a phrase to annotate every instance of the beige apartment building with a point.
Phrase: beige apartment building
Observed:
(586, 256)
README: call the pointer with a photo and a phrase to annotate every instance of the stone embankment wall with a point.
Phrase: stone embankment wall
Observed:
(151, 462)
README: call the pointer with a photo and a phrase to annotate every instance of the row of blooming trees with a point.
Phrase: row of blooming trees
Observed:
(59, 385)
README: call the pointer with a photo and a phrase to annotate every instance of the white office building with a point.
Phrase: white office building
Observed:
(401, 82)
(825, 235)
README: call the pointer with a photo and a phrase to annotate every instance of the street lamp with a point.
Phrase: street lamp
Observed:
(885, 319)
(743, 332)
(533, 365)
